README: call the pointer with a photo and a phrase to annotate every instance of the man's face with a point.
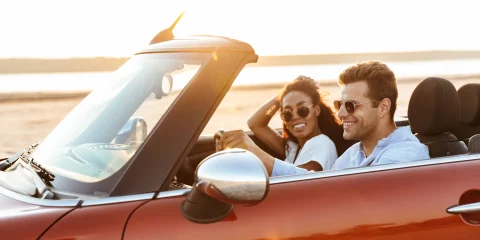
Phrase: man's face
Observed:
(362, 123)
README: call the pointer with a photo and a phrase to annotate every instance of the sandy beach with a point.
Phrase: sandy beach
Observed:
(27, 121)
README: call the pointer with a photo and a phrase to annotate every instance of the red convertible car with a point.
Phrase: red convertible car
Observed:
(129, 162)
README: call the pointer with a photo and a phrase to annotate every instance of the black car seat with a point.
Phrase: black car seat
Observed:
(433, 111)
(474, 144)
(469, 96)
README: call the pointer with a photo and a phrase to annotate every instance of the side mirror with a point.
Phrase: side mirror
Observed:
(134, 130)
(233, 176)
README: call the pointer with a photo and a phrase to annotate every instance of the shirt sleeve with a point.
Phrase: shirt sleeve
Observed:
(281, 168)
(347, 159)
(319, 149)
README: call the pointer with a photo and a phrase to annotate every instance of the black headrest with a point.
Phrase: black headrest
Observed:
(434, 107)
(469, 96)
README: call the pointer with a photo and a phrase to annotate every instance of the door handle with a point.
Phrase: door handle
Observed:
(467, 208)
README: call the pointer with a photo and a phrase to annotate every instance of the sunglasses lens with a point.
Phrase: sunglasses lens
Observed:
(337, 104)
(286, 115)
(303, 111)
(350, 107)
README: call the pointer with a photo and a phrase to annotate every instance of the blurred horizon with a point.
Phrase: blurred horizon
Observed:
(473, 52)
(104, 64)
(53, 29)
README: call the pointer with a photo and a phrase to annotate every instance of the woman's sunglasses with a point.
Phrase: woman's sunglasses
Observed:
(302, 111)
(349, 105)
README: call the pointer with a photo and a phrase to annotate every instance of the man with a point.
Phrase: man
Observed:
(368, 100)
(367, 105)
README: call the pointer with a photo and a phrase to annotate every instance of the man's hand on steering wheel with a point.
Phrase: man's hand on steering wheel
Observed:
(237, 139)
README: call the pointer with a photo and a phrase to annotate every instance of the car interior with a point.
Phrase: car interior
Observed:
(447, 121)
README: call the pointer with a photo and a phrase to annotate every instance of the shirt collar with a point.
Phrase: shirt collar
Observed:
(385, 141)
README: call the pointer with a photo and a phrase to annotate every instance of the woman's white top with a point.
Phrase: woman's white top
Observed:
(320, 149)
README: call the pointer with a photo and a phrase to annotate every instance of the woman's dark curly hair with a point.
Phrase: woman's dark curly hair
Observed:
(328, 121)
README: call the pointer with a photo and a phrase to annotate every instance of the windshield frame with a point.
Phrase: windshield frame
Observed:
(200, 98)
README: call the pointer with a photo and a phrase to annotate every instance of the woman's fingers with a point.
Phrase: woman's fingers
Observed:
(236, 143)
(232, 138)
(224, 138)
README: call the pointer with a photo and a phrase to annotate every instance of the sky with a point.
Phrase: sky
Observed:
(87, 28)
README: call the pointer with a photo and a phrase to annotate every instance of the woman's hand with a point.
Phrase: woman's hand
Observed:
(237, 139)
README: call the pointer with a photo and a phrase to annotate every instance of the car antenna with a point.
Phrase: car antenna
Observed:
(166, 34)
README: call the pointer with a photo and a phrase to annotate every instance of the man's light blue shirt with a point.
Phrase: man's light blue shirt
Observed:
(400, 146)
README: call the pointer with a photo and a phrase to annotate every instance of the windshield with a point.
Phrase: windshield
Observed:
(104, 131)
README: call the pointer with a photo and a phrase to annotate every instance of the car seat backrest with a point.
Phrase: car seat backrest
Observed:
(469, 96)
(433, 111)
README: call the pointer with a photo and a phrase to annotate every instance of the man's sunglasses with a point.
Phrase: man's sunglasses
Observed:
(349, 105)
(302, 111)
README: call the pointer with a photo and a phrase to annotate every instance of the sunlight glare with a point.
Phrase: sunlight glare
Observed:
(57, 28)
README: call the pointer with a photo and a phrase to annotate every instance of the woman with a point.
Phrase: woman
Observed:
(310, 129)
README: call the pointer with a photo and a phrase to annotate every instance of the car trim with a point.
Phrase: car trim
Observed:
(138, 197)
(119, 199)
(38, 201)
(273, 180)
(375, 168)
(174, 193)
(467, 208)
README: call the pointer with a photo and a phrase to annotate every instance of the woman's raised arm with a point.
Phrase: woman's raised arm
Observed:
(258, 123)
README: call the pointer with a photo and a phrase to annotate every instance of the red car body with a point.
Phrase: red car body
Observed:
(397, 201)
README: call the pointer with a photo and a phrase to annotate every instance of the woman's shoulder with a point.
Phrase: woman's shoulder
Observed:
(320, 149)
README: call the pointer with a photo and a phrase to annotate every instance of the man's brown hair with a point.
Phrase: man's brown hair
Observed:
(380, 80)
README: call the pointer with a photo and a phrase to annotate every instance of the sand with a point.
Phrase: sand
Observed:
(28, 121)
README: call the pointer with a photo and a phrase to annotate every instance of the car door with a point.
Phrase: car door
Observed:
(97, 219)
(396, 201)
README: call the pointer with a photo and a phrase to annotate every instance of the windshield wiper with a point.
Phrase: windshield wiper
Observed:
(9, 161)
(39, 174)
(39, 178)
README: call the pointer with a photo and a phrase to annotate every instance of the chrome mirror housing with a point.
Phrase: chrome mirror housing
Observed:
(233, 176)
